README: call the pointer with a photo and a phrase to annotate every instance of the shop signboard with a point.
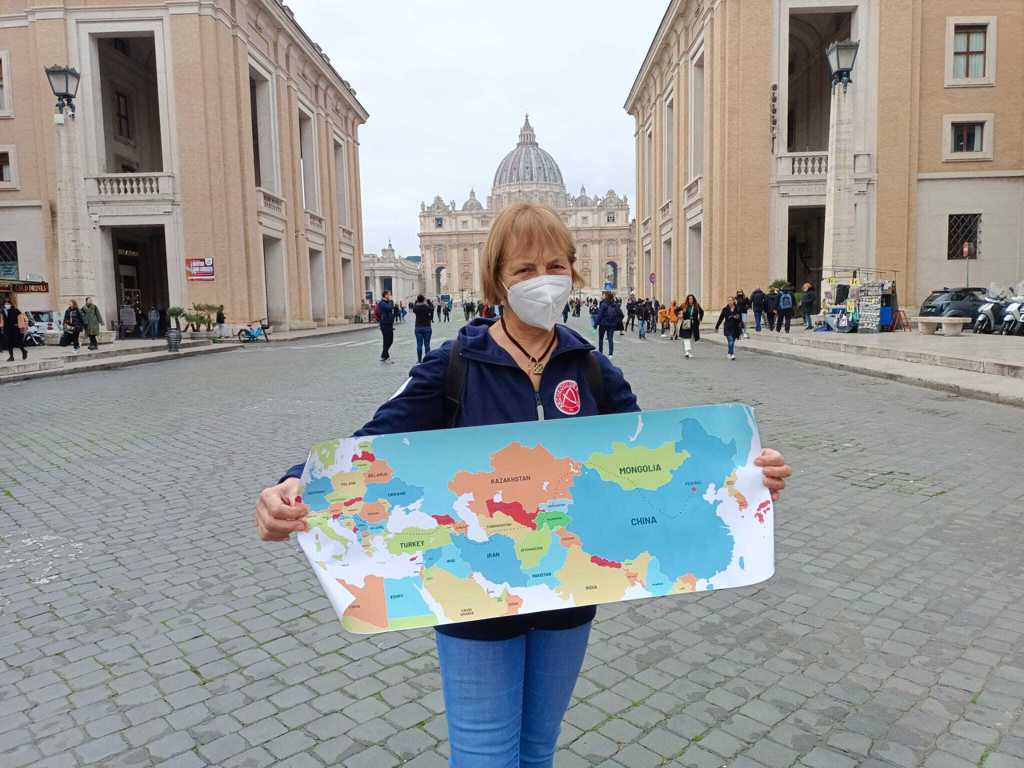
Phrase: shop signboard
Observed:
(199, 270)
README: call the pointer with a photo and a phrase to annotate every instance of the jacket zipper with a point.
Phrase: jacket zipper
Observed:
(540, 405)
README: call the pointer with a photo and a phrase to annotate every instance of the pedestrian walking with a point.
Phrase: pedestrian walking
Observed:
(807, 300)
(386, 320)
(757, 299)
(222, 323)
(424, 312)
(673, 316)
(72, 325)
(93, 321)
(690, 315)
(13, 325)
(565, 313)
(743, 305)
(732, 320)
(771, 308)
(507, 682)
(438, 307)
(785, 312)
(152, 323)
(448, 311)
(609, 316)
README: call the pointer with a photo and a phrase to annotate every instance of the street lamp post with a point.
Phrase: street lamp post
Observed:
(840, 219)
(76, 271)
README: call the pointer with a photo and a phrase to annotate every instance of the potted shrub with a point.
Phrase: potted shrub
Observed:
(174, 334)
(199, 322)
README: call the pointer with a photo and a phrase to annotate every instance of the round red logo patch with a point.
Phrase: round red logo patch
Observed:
(567, 397)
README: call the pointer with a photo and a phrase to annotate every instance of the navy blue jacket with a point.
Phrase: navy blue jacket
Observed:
(497, 391)
(386, 309)
(608, 314)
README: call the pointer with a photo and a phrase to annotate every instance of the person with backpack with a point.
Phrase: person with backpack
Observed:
(507, 682)
(609, 318)
(785, 309)
(386, 319)
(732, 319)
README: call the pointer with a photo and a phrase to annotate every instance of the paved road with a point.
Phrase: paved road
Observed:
(142, 623)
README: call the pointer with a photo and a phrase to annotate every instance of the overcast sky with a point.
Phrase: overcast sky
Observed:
(447, 82)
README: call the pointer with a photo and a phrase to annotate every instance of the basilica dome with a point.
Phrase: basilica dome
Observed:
(527, 169)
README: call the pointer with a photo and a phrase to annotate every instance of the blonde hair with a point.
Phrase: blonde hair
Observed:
(519, 227)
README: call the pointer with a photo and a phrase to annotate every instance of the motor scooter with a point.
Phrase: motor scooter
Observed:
(990, 315)
(1013, 318)
(34, 337)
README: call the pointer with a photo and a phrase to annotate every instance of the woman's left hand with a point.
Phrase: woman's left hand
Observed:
(775, 471)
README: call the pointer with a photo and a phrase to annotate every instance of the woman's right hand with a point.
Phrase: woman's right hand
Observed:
(280, 511)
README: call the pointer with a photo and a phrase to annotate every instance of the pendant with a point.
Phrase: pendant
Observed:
(538, 369)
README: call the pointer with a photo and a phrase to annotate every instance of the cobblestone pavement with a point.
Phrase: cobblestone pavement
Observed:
(142, 622)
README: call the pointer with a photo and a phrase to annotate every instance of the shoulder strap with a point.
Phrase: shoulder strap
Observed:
(454, 378)
(595, 381)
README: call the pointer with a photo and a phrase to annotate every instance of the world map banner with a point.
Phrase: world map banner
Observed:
(420, 529)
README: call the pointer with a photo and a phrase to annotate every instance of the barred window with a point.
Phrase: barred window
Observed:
(9, 259)
(964, 228)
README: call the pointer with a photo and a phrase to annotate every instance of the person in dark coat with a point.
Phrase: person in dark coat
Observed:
(732, 320)
(785, 313)
(690, 315)
(424, 312)
(757, 299)
(93, 322)
(607, 320)
(73, 324)
(386, 319)
(743, 305)
(13, 324)
(771, 307)
(807, 306)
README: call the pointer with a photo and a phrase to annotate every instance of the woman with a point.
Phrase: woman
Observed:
(13, 324)
(495, 671)
(732, 320)
(73, 323)
(93, 321)
(690, 315)
(424, 312)
(673, 316)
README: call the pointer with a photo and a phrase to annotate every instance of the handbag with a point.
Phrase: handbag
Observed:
(687, 324)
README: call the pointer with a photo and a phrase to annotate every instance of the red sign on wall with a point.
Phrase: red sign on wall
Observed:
(199, 269)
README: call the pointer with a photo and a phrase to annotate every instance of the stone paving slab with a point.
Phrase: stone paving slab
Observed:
(142, 623)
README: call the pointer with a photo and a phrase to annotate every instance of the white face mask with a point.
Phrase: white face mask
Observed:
(539, 300)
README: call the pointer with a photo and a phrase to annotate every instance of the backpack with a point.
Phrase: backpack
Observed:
(786, 300)
(455, 379)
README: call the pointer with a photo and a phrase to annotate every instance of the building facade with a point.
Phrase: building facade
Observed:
(452, 237)
(388, 272)
(213, 158)
(732, 144)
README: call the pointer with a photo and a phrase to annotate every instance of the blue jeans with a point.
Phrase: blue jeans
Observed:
(602, 334)
(731, 340)
(807, 318)
(643, 329)
(422, 342)
(757, 320)
(505, 699)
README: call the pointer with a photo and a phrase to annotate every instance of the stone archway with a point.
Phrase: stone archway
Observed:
(440, 281)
